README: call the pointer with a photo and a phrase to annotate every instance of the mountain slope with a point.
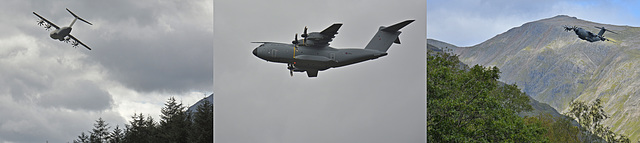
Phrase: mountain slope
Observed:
(556, 67)
(193, 108)
(537, 106)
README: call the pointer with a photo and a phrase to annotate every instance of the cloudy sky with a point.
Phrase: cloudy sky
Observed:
(381, 100)
(470, 22)
(144, 51)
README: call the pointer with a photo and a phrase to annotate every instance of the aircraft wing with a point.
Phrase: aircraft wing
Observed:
(322, 38)
(50, 23)
(332, 30)
(75, 39)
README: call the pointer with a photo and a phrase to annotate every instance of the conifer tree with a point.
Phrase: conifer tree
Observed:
(202, 127)
(117, 136)
(100, 132)
(82, 138)
(174, 126)
(140, 130)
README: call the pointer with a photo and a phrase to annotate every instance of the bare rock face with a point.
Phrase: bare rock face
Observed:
(556, 67)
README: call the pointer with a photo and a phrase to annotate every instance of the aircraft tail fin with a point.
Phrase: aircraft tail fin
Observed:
(386, 36)
(601, 32)
(77, 17)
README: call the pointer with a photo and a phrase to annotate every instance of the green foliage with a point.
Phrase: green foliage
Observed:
(176, 125)
(82, 138)
(471, 106)
(202, 127)
(559, 129)
(141, 130)
(117, 136)
(100, 132)
(590, 117)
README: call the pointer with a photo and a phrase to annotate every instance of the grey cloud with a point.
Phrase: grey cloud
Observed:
(77, 95)
(131, 40)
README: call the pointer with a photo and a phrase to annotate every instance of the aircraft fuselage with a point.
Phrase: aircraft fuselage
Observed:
(59, 34)
(313, 53)
(313, 58)
(588, 36)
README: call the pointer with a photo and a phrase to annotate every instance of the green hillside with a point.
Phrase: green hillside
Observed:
(555, 67)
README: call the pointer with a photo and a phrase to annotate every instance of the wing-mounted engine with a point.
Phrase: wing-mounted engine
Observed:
(45, 25)
(567, 28)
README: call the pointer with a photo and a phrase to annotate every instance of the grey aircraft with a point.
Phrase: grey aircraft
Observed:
(313, 53)
(586, 35)
(62, 33)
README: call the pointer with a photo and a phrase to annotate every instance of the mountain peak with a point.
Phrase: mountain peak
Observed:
(563, 16)
(193, 107)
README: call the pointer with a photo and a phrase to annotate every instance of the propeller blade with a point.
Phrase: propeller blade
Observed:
(295, 40)
(305, 35)
(290, 67)
(305, 32)
(295, 46)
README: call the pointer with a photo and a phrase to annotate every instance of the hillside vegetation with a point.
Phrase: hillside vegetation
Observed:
(557, 68)
(471, 105)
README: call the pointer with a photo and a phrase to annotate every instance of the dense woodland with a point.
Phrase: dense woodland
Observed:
(176, 124)
(469, 105)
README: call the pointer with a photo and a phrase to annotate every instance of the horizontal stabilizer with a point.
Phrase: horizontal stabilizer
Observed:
(74, 15)
(397, 27)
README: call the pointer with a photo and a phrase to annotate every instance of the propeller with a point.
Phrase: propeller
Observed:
(295, 45)
(47, 26)
(290, 67)
(295, 40)
(305, 35)
(75, 44)
(66, 39)
(567, 28)
(295, 49)
(40, 22)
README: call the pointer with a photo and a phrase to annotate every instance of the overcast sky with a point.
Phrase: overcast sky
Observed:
(380, 100)
(470, 22)
(144, 51)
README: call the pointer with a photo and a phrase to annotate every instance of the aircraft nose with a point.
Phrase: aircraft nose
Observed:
(255, 52)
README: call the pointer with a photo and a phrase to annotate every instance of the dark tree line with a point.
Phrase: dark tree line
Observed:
(176, 125)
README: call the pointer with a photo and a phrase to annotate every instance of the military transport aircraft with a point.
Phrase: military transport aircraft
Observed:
(313, 53)
(62, 33)
(587, 35)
